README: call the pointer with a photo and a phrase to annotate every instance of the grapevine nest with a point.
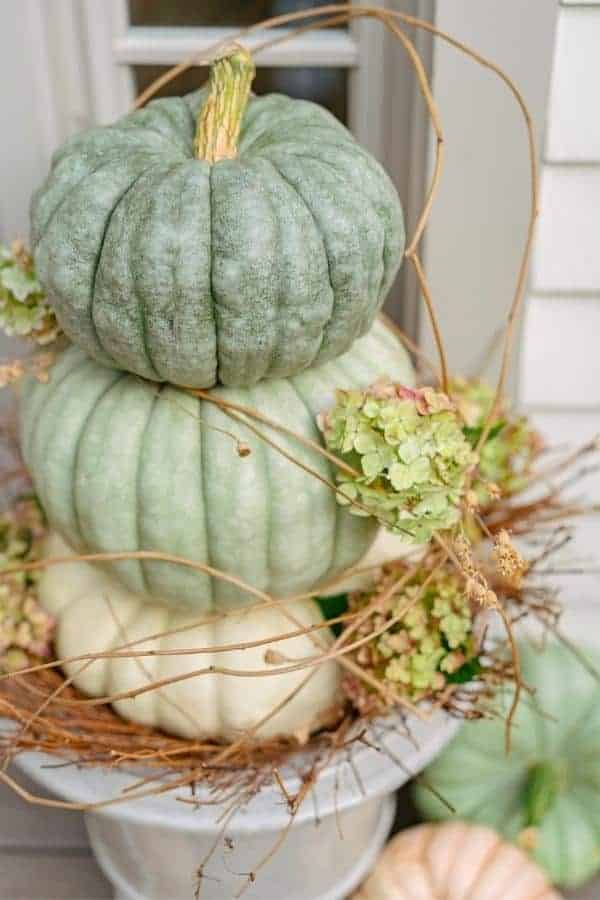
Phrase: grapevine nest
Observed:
(459, 672)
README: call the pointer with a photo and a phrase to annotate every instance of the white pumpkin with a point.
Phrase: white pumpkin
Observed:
(95, 613)
(454, 861)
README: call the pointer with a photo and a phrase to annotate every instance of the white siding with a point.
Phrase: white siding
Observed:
(560, 367)
(560, 363)
(567, 256)
(573, 122)
(479, 220)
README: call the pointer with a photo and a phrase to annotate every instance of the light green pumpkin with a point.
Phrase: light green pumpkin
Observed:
(123, 464)
(217, 269)
(551, 779)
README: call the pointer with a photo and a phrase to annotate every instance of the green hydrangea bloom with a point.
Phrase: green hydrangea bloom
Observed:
(410, 454)
(431, 643)
(25, 628)
(507, 456)
(24, 309)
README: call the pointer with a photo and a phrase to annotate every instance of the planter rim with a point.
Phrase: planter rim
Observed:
(379, 772)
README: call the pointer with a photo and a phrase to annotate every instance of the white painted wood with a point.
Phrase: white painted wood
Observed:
(569, 428)
(49, 876)
(47, 102)
(167, 46)
(367, 113)
(560, 363)
(573, 131)
(23, 148)
(111, 85)
(566, 256)
(477, 229)
(25, 826)
(65, 91)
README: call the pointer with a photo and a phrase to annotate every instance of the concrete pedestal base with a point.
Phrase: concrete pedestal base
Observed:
(151, 848)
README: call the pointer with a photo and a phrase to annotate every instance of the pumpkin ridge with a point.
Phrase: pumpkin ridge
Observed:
(179, 298)
(330, 568)
(138, 491)
(150, 117)
(76, 450)
(120, 636)
(292, 113)
(211, 262)
(203, 463)
(38, 231)
(377, 170)
(276, 220)
(265, 456)
(274, 136)
(163, 697)
(97, 265)
(42, 423)
(279, 334)
(287, 311)
(100, 434)
(141, 305)
(423, 857)
(354, 323)
(368, 315)
(325, 253)
(32, 420)
(79, 144)
(482, 865)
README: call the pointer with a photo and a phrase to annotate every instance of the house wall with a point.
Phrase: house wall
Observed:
(479, 220)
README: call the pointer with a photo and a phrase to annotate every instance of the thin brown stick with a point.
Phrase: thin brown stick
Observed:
(39, 564)
(250, 413)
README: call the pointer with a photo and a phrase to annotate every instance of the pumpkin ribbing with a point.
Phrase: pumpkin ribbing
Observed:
(194, 273)
(544, 794)
(121, 464)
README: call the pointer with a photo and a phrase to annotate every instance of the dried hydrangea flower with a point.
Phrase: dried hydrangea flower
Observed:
(506, 457)
(428, 644)
(511, 564)
(25, 628)
(24, 308)
(477, 588)
(409, 453)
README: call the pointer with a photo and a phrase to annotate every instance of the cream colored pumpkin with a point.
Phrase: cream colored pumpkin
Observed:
(95, 613)
(454, 861)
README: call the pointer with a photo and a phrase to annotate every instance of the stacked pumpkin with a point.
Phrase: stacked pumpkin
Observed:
(212, 248)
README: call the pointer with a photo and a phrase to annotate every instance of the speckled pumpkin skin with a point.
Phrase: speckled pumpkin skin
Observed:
(122, 464)
(181, 271)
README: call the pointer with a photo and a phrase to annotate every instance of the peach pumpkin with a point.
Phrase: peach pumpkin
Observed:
(454, 861)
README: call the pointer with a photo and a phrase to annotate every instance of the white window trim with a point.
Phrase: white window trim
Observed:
(167, 46)
(112, 45)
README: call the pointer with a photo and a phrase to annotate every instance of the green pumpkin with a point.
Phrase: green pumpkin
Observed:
(551, 779)
(200, 271)
(123, 464)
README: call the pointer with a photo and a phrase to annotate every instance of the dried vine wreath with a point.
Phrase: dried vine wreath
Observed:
(371, 628)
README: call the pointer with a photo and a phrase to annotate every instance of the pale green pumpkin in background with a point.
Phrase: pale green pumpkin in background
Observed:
(193, 255)
(550, 781)
(121, 464)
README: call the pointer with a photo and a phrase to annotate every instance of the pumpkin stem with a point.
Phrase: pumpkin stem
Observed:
(546, 780)
(220, 117)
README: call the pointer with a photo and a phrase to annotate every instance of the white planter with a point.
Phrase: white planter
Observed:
(151, 848)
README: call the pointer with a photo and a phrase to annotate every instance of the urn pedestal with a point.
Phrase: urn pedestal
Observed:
(152, 848)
